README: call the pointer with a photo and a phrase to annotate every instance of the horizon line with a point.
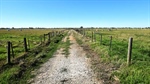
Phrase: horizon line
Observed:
(69, 27)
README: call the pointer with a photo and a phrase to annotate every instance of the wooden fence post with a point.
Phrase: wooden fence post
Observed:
(8, 52)
(25, 45)
(129, 51)
(110, 43)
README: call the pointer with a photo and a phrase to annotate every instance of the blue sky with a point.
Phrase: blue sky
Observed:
(74, 13)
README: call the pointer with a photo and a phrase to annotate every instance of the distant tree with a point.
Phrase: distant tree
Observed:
(112, 27)
(31, 28)
(13, 28)
(81, 27)
(2, 28)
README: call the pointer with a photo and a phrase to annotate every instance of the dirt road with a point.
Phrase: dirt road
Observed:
(74, 69)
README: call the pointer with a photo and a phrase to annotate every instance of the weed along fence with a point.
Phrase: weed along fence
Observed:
(18, 49)
(118, 47)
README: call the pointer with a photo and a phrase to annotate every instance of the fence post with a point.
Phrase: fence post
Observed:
(8, 52)
(12, 49)
(129, 51)
(25, 45)
(110, 42)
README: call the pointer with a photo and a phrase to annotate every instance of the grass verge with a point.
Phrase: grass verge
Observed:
(102, 69)
(65, 45)
(20, 73)
(138, 72)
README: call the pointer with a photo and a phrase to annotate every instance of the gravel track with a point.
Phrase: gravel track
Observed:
(75, 69)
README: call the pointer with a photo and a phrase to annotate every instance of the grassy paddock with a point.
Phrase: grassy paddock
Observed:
(22, 73)
(139, 70)
(16, 36)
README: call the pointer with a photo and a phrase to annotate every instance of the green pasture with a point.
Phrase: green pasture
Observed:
(16, 36)
(139, 71)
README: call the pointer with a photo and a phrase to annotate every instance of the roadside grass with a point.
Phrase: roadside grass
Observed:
(78, 41)
(22, 72)
(135, 74)
(65, 45)
(8, 74)
(66, 48)
(139, 70)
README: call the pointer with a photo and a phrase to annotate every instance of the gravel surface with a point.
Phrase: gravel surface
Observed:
(75, 69)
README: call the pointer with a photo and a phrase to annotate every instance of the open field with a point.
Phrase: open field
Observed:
(16, 37)
(20, 68)
(112, 64)
(139, 70)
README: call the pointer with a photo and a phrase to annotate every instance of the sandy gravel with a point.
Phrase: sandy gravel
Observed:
(75, 69)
